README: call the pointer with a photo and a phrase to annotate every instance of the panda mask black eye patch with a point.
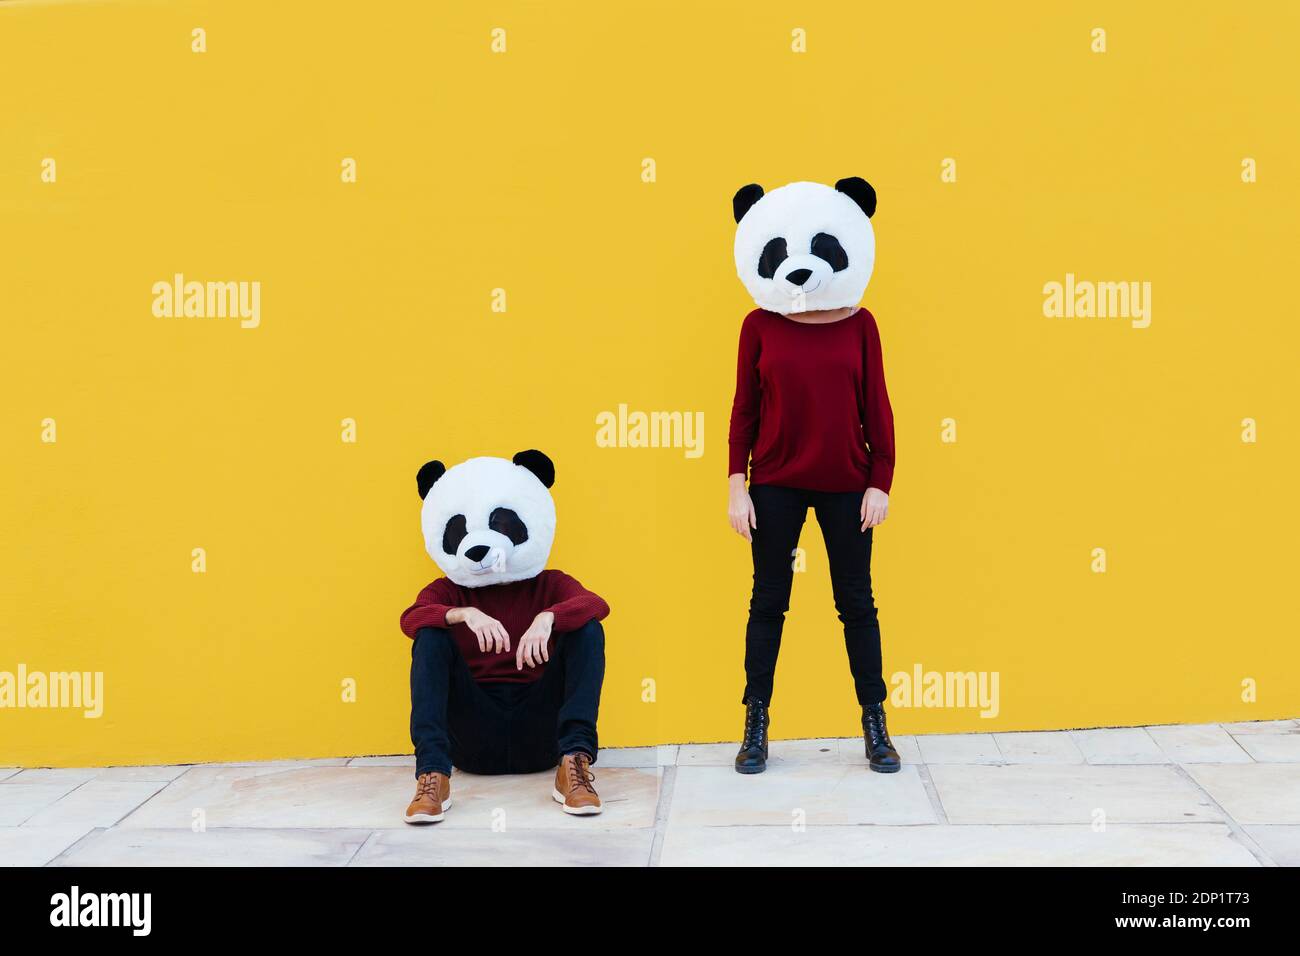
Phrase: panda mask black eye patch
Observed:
(827, 247)
(506, 522)
(773, 255)
(454, 534)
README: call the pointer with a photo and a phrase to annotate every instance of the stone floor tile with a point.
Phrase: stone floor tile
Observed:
(36, 846)
(789, 794)
(376, 797)
(21, 801)
(1118, 745)
(433, 846)
(223, 847)
(1064, 793)
(97, 803)
(1050, 746)
(1198, 743)
(1280, 841)
(959, 748)
(1253, 793)
(1186, 844)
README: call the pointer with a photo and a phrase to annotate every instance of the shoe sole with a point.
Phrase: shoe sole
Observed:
(886, 769)
(574, 811)
(429, 817)
(749, 770)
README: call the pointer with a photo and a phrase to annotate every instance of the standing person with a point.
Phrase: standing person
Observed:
(812, 426)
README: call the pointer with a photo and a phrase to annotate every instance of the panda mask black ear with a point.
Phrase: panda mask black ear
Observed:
(538, 464)
(745, 197)
(861, 192)
(429, 472)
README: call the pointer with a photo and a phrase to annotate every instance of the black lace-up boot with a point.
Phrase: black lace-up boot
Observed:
(753, 749)
(881, 755)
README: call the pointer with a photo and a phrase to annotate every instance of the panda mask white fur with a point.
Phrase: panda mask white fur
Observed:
(488, 520)
(805, 246)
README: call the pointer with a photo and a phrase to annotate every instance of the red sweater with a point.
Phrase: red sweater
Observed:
(811, 408)
(514, 605)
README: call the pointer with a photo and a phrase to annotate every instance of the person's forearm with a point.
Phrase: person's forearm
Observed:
(457, 615)
(736, 481)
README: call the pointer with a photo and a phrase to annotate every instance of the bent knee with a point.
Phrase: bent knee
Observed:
(591, 631)
(430, 640)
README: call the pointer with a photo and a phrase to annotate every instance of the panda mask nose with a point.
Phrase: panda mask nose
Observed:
(477, 553)
(799, 276)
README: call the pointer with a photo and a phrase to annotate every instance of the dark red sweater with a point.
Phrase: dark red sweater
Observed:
(514, 605)
(811, 409)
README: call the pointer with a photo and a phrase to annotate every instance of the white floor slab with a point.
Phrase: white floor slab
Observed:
(1010, 799)
(20, 801)
(97, 803)
(261, 847)
(637, 757)
(1047, 793)
(397, 760)
(1055, 746)
(811, 793)
(1271, 748)
(36, 846)
(959, 749)
(1118, 745)
(376, 797)
(1198, 743)
(283, 764)
(66, 775)
(433, 846)
(823, 750)
(664, 756)
(1263, 727)
(1253, 793)
(1281, 842)
(161, 774)
(1190, 844)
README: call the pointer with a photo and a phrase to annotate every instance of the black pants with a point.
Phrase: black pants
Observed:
(501, 727)
(780, 514)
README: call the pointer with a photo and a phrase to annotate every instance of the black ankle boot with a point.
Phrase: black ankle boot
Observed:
(753, 749)
(881, 755)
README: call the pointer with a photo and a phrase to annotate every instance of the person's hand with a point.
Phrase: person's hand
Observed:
(740, 508)
(875, 508)
(488, 631)
(533, 643)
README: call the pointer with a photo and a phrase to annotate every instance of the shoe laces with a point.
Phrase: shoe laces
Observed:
(427, 785)
(755, 725)
(580, 775)
(876, 729)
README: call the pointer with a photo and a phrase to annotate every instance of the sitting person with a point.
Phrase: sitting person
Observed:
(507, 659)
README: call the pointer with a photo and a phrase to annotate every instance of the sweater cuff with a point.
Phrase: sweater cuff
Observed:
(428, 615)
(880, 475)
(738, 461)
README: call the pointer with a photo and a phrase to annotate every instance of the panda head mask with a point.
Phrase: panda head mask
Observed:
(488, 520)
(805, 246)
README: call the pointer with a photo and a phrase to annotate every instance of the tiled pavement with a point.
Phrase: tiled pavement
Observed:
(1221, 795)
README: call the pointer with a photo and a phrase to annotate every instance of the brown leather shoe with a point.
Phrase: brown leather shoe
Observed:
(432, 798)
(573, 786)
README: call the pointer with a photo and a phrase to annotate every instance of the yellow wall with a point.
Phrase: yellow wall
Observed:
(522, 170)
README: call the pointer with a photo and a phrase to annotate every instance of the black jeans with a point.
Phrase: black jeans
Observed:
(780, 514)
(501, 727)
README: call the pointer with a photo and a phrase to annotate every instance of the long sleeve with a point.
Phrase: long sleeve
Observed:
(430, 608)
(744, 407)
(877, 414)
(571, 603)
